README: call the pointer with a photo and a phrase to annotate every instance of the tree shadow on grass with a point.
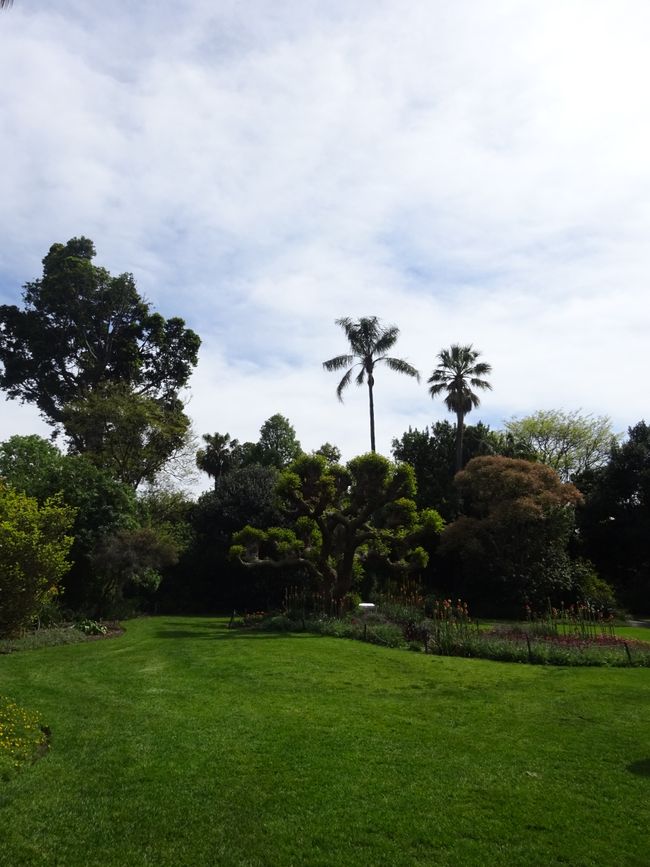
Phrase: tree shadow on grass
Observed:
(217, 631)
(640, 768)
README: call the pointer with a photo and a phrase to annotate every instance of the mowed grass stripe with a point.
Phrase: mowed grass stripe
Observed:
(183, 743)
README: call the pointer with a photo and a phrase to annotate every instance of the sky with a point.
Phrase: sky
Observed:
(472, 172)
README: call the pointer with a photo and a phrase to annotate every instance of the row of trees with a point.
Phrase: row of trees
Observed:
(541, 509)
(512, 530)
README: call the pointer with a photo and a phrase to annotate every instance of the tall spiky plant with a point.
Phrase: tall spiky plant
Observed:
(457, 374)
(369, 343)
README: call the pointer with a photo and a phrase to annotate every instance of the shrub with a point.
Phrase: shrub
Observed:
(22, 735)
(33, 555)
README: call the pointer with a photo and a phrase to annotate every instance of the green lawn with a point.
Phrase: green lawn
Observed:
(183, 744)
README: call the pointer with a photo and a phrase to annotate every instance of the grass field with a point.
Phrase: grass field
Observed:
(181, 743)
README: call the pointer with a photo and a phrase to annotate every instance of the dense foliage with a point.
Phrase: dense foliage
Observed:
(571, 442)
(615, 521)
(87, 350)
(107, 372)
(511, 539)
(344, 522)
(34, 548)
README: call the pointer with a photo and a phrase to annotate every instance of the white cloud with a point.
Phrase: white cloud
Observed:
(472, 172)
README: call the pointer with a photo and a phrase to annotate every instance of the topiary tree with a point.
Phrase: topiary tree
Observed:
(337, 518)
(34, 547)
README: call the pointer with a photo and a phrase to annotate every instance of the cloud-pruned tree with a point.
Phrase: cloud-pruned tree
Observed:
(340, 517)
(369, 343)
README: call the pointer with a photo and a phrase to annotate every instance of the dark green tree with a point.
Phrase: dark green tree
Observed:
(369, 343)
(277, 445)
(82, 329)
(456, 375)
(131, 435)
(432, 454)
(206, 580)
(219, 455)
(331, 453)
(614, 523)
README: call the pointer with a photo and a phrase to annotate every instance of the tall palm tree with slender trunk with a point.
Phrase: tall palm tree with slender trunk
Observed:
(369, 343)
(457, 374)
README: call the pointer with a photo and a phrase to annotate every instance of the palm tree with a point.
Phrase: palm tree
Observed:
(456, 374)
(218, 456)
(369, 343)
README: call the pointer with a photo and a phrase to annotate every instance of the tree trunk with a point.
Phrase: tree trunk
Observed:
(371, 382)
(459, 441)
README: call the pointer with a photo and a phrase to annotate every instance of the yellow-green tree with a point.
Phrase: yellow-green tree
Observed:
(34, 548)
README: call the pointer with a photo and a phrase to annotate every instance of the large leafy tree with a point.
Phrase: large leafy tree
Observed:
(206, 579)
(340, 518)
(571, 442)
(513, 535)
(457, 373)
(131, 435)
(278, 445)
(369, 342)
(82, 329)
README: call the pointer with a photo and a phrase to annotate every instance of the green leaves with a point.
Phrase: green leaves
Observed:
(82, 329)
(34, 547)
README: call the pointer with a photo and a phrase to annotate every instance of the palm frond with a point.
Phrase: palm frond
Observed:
(339, 362)
(386, 339)
(343, 384)
(401, 366)
(437, 389)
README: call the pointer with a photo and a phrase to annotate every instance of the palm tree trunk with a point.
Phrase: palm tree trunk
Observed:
(459, 441)
(371, 382)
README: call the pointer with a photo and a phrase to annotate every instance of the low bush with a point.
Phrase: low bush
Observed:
(38, 638)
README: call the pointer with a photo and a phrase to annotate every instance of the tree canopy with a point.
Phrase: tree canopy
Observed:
(571, 442)
(338, 518)
(615, 521)
(35, 542)
(516, 524)
(432, 454)
(81, 328)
